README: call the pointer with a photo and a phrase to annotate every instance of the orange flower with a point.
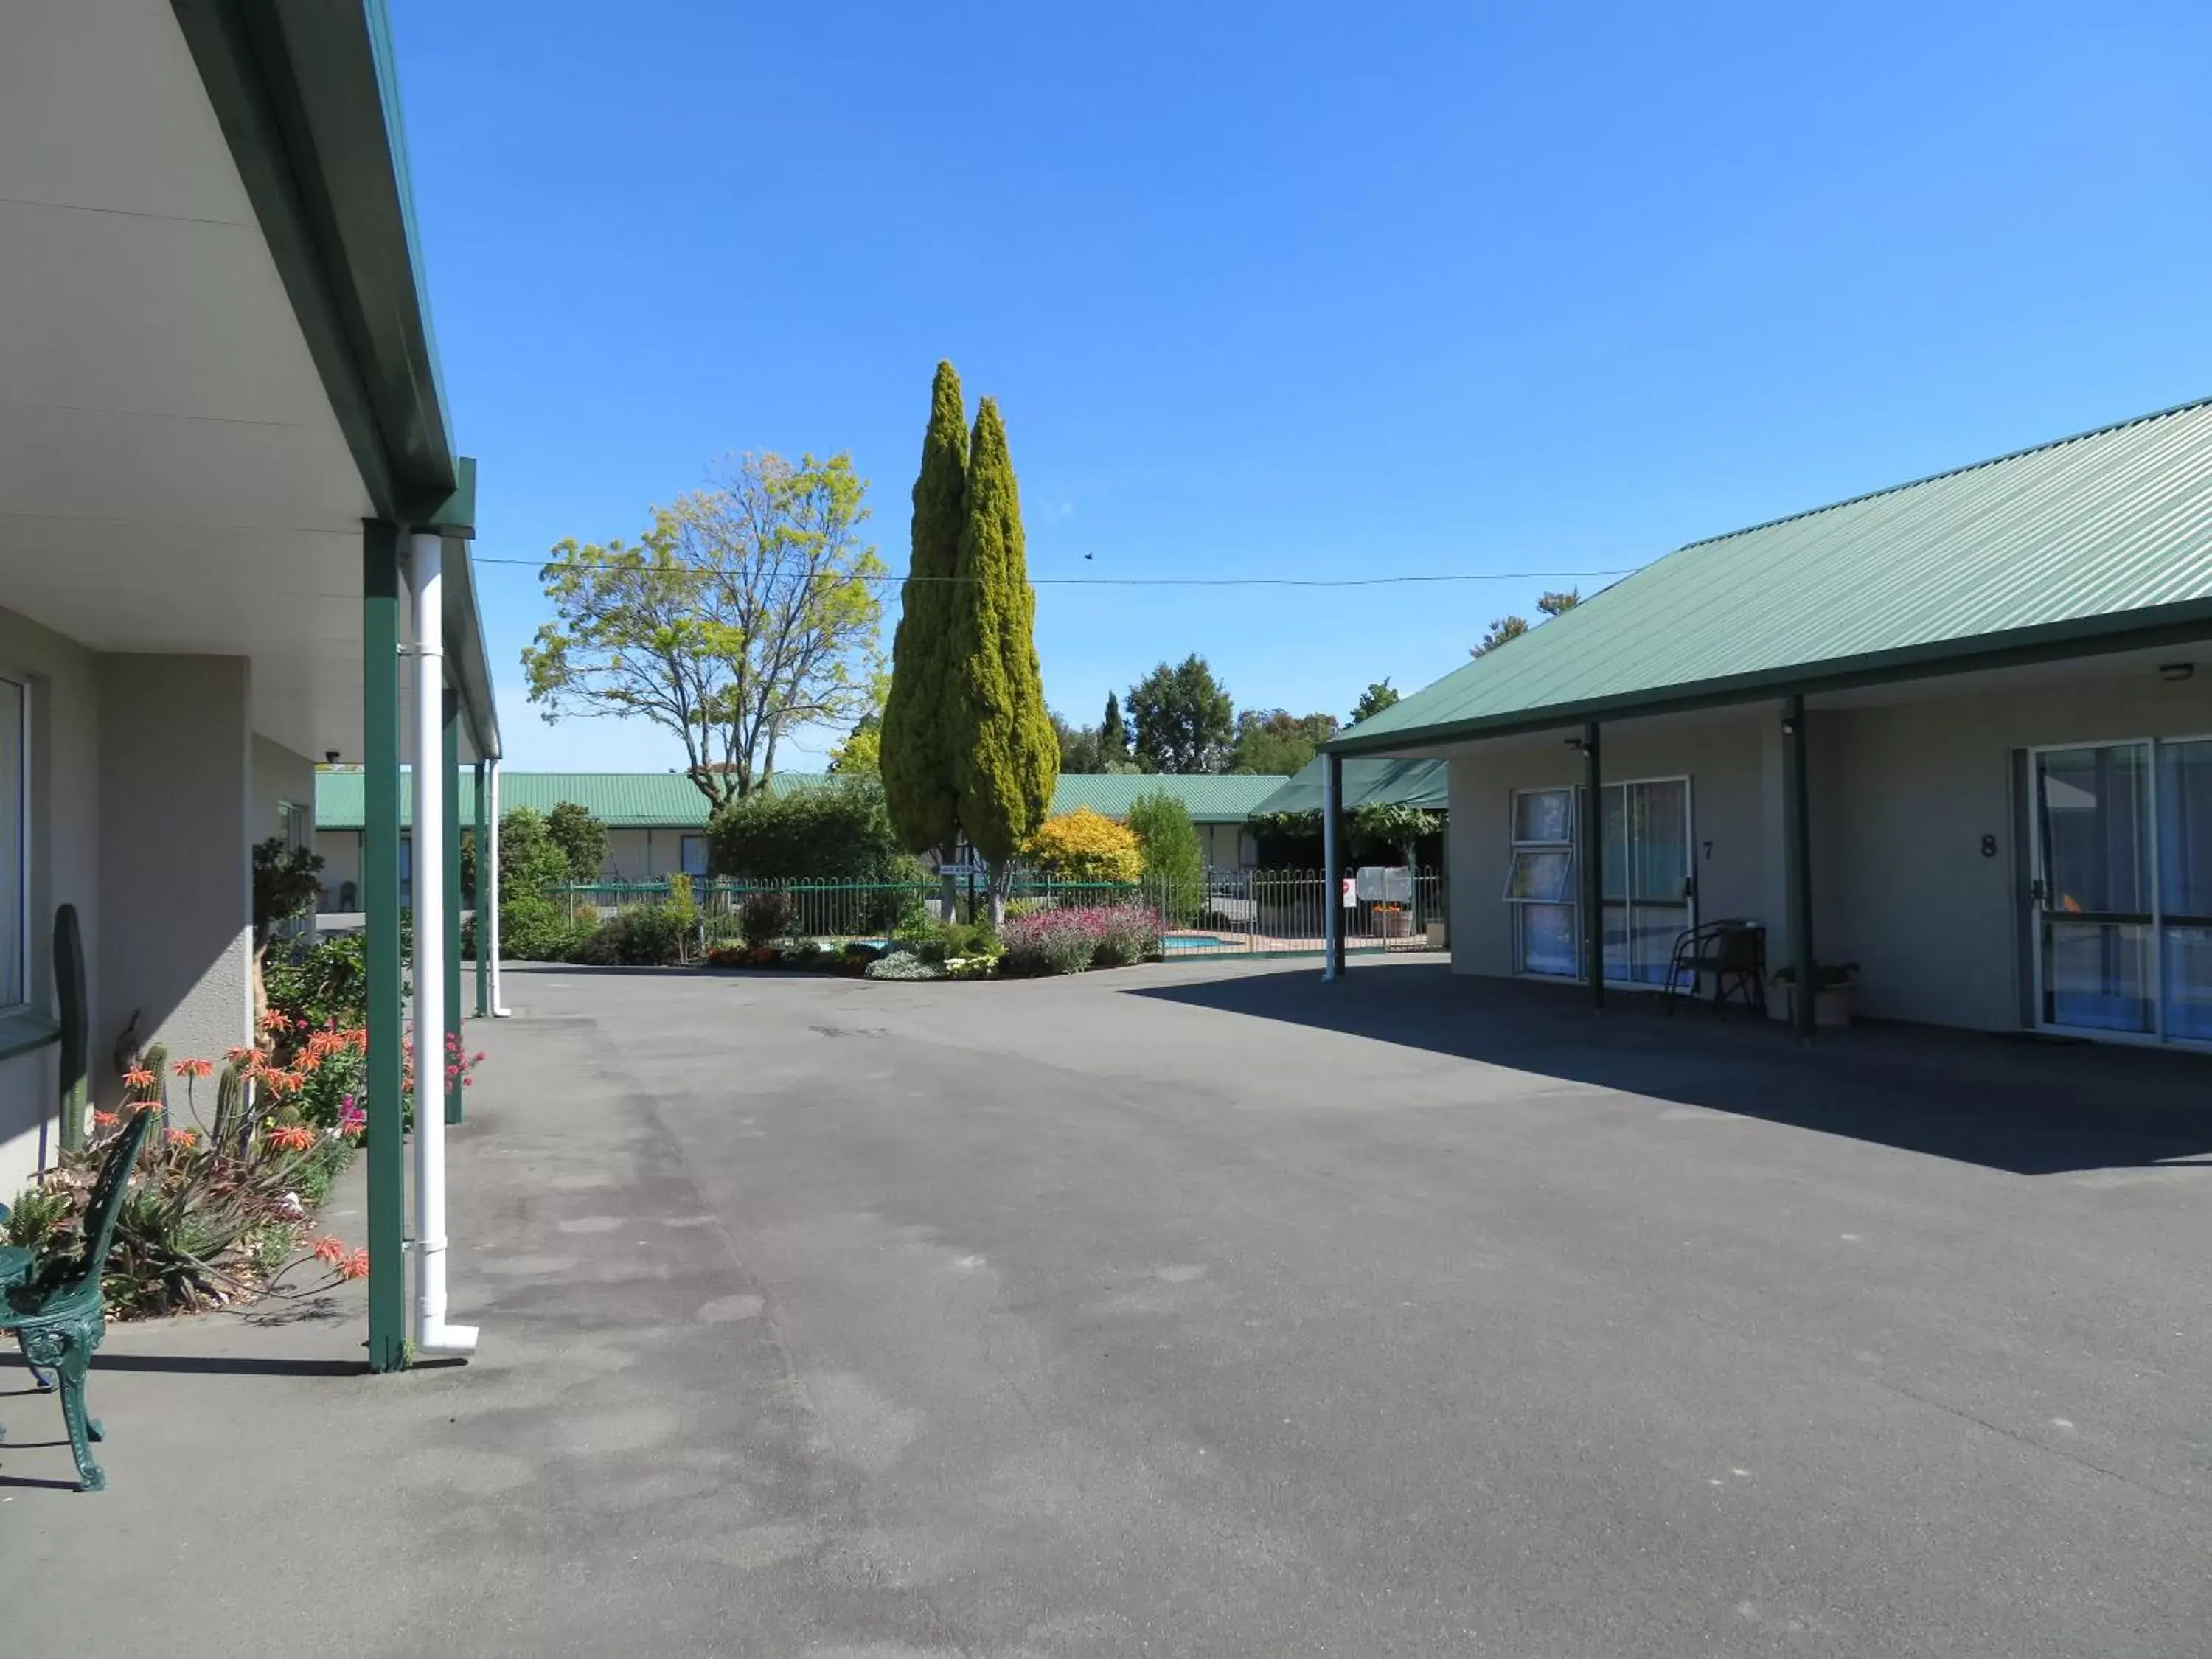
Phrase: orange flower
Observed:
(139, 1078)
(354, 1266)
(330, 1250)
(251, 1056)
(194, 1068)
(182, 1137)
(143, 1105)
(292, 1138)
(104, 1120)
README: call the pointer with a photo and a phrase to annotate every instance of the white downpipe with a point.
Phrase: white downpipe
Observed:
(433, 1336)
(487, 934)
(1332, 908)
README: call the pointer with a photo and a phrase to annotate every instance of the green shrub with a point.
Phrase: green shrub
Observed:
(321, 982)
(768, 915)
(904, 964)
(1174, 868)
(36, 1217)
(541, 929)
(642, 936)
(839, 831)
(950, 941)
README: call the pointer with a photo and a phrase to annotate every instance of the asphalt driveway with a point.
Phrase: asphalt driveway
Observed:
(1205, 1310)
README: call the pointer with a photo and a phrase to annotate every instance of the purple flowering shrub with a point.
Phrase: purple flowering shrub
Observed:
(1068, 941)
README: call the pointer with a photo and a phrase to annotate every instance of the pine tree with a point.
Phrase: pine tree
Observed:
(1007, 754)
(1113, 735)
(919, 752)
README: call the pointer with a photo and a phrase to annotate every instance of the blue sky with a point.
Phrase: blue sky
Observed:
(1292, 290)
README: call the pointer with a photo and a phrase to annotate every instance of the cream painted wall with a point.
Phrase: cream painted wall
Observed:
(341, 851)
(1901, 796)
(65, 867)
(1729, 785)
(279, 776)
(176, 880)
(1935, 928)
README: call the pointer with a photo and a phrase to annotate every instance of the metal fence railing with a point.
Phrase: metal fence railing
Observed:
(1225, 913)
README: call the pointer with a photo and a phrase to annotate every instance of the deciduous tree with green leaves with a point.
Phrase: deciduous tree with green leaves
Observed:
(1006, 754)
(1274, 740)
(918, 758)
(1183, 717)
(1373, 701)
(581, 837)
(748, 610)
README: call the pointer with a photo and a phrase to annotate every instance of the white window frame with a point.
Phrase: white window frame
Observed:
(1518, 905)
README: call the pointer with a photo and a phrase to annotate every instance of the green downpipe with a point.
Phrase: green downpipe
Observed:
(76, 1022)
(380, 880)
(453, 832)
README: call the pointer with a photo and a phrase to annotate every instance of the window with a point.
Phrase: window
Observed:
(693, 851)
(1539, 882)
(14, 844)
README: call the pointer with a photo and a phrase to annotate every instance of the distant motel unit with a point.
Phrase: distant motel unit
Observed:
(1958, 732)
(657, 821)
(223, 436)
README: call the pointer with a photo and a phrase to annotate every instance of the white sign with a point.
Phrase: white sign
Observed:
(1350, 899)
(1385, 883)
(960, 870)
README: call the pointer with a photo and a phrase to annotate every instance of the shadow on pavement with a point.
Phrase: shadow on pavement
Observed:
(2027, 1107)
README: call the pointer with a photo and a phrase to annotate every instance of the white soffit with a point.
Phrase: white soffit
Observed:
(171, 476)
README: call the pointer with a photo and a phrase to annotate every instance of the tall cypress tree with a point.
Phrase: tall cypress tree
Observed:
(1113, 734)
(1007, 753)
(919, 751)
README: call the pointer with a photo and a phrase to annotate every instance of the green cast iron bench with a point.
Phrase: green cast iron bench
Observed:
(53, 1302)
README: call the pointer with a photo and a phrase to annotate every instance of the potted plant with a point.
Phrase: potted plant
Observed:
(1831, 992)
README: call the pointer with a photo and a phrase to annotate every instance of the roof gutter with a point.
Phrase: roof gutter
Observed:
(2187, 622)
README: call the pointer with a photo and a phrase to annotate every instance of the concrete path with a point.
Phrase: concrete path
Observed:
(1201, 1310)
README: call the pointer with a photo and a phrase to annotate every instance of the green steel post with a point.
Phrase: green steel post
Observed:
(482, 929)
(452, 830)
(379, 898)
(1589, 829)
(1798, 864)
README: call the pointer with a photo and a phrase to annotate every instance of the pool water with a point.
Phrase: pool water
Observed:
(1193, 942)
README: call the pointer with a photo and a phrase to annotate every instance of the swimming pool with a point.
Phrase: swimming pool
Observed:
(1193, 942)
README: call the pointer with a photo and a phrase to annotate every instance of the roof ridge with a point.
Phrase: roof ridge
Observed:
(1948, 472)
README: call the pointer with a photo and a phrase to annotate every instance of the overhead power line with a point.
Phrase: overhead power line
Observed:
(888, 578)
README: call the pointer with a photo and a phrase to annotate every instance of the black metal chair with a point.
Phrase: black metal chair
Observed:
(1734, 952)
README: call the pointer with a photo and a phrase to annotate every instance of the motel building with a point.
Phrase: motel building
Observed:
(1956, 733)
(234, 545)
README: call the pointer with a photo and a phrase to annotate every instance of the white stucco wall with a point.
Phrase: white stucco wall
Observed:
(65, 868)
(175, 879)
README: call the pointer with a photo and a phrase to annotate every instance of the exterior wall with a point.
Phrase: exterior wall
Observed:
(64, 791)
(1910, 791)
(1901, 796)
(279, 776)
(175, 880)
(1730, 785)
(341, 851)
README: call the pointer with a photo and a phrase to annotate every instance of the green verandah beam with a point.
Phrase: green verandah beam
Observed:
(483, 926)
(453, 896)
(379, 880)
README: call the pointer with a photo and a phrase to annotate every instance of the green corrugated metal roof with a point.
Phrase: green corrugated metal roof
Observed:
(1210, 798)
(2093, 536)
(1366, 783)
(665, 800)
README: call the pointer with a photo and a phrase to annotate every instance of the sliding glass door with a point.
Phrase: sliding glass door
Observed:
(2122, 887)
(1647, 877)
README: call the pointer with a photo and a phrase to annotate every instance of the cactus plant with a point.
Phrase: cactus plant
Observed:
(69, 992)
(233, 1125)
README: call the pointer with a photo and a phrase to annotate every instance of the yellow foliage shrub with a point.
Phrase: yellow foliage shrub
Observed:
(1085, 845)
